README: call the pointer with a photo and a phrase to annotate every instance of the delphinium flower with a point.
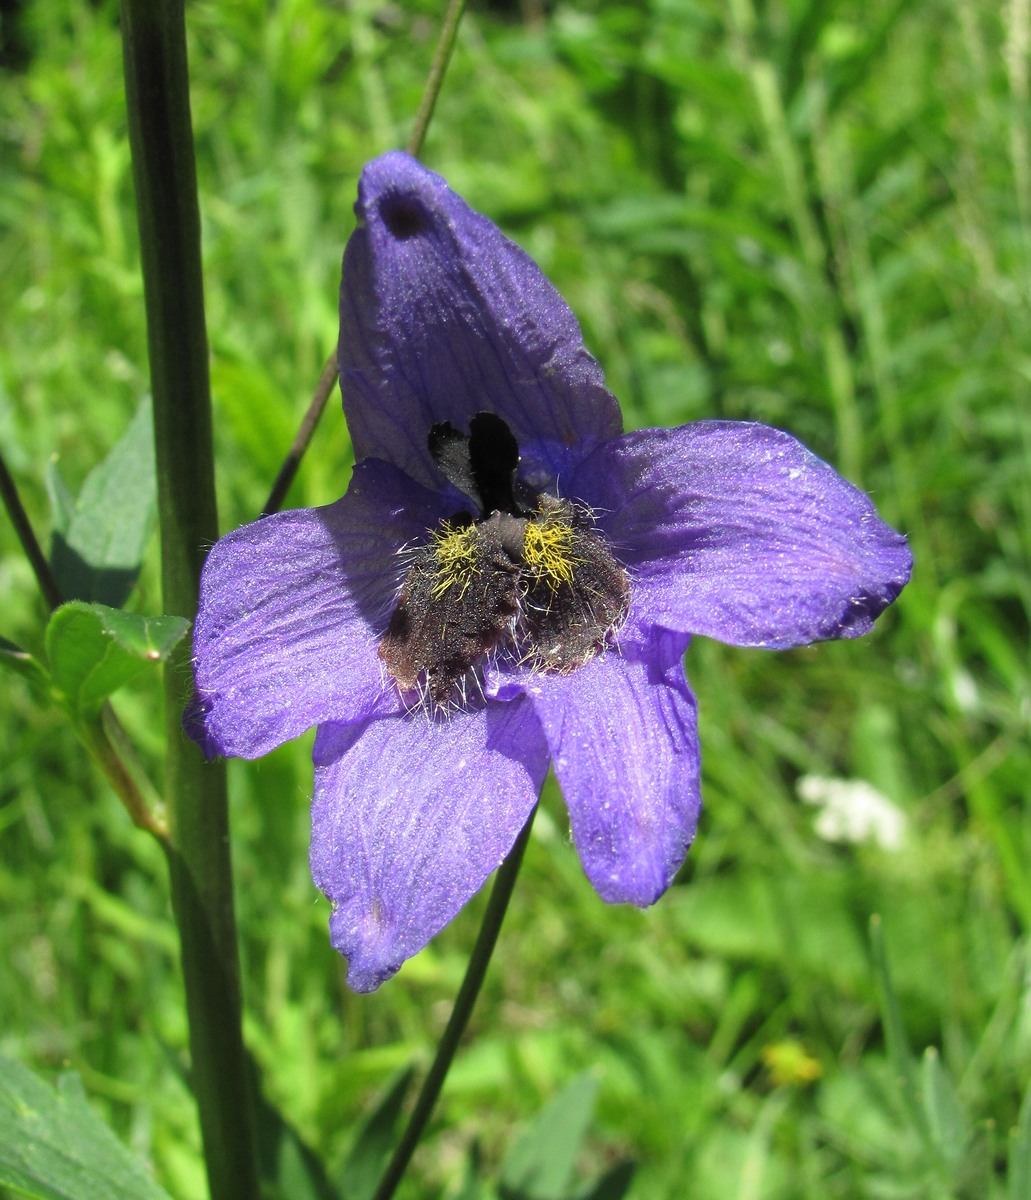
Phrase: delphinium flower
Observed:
(509, 582)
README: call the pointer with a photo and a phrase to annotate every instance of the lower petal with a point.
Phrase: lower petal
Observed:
(624, 739)
(410, 817)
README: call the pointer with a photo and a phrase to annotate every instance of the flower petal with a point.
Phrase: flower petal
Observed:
(290, 609)
(736, 531)
(441, 316)
(624, 738)
(410, 817)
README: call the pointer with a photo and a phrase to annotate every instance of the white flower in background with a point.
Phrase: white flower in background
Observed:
(852, 810)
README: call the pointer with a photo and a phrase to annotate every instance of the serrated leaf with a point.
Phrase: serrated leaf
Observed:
(374, 1140)
(540, 1163)
(20, 662)
(98, 546)
(94, 650)
(53, 1146)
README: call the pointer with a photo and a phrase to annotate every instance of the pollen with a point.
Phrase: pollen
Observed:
(549, 549)
(453, 549)
(523, 575)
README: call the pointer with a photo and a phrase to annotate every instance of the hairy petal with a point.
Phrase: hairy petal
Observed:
(290, 609)
(441, 316)
(410, 817)
(736, 531)
(624, 738)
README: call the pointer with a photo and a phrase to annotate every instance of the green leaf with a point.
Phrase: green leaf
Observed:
(54, 1146)
(62, 502)
(374, 1141)
(541, 1162)
(288, 1168)
(945, 1117)
(94, 650)
(899, 1051)
(20, 662)
(973, 1177)
(614, 1184)
(1020, 1153)
(471, 1187)
(99, 542)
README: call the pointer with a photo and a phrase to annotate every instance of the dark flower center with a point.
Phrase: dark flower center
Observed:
(527, 572)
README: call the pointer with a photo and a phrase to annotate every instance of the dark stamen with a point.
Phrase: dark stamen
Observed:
(482, 465)
(450, 450)
(494, 454)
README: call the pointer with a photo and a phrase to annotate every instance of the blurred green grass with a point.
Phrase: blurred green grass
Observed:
(811, 214)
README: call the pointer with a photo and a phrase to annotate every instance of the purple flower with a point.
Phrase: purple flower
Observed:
(510, 581)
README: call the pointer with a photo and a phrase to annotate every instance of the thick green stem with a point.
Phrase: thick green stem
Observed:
(487, 938)
(161, 138)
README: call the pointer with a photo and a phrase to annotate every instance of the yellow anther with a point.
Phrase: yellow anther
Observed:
(454, 550)
(548, 549)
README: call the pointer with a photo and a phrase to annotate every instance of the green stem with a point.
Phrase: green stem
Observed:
(107, 740)
(27, 536)
(487, 938)
(161, 138)
(109, 745)
(301, 442)
(324, 387)
(821, 305)
(435, 79)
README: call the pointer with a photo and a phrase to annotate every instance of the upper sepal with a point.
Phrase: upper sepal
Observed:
(441, 317)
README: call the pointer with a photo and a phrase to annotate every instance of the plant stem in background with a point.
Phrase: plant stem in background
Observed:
(324, 387)
(302, 440)
(486, 939)
(161, 138)
(435, 79)
(27, 537)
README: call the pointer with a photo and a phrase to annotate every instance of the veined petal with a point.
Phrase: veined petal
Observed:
(736, 531)
(623, 735)
(410, 817)
(290, 609)
(441, 316)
